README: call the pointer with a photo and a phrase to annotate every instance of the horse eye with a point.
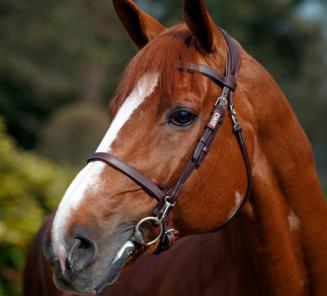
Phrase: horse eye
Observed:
(181, 117)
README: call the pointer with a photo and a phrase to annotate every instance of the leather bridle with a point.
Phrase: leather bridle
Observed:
(168, 198)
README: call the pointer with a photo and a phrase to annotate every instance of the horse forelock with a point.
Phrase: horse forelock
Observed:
(171, 49)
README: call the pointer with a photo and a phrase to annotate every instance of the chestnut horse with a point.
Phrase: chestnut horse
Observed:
(276, 244)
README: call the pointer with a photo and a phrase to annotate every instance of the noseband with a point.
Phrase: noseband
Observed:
(168, 198)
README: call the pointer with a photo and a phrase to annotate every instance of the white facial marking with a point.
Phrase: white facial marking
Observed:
(293, 221)
(237, 205)
(89, 178)
(144, 88)
(86, 179)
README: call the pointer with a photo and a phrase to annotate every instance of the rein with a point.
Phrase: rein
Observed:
(167, 198)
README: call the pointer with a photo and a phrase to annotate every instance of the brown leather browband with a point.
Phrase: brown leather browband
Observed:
(167, 198)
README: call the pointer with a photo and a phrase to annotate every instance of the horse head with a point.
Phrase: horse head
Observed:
(159, 112)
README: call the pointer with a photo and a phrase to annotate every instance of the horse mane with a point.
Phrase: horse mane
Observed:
(173, 48)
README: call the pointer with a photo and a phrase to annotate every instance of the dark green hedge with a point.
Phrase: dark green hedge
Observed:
(29, 188)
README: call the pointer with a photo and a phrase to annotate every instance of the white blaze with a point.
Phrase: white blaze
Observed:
(89, 178)
(144, 88)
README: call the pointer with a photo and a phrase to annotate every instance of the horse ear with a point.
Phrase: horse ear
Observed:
(140, 27)
(200, 23)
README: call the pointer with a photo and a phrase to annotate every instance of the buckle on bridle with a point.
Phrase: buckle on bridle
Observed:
(233, 115)
(163, 212)
(221, 99)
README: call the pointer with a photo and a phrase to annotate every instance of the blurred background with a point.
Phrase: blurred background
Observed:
(60, 62)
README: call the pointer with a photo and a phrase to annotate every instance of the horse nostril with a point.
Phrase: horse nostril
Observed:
(81, 253)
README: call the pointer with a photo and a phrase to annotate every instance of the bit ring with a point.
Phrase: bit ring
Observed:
(138, 234)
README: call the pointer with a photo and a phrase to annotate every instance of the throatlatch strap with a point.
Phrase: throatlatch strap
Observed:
(240, 140)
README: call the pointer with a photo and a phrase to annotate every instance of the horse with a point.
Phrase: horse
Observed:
(272, 222)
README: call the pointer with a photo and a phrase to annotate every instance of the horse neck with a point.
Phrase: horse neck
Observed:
(284, 222)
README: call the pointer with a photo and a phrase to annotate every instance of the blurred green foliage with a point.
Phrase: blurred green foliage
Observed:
(71, 133)
(29, 188)
(54, 53)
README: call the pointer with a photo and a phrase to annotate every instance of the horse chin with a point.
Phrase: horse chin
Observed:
(124, 256)
(75, 287)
